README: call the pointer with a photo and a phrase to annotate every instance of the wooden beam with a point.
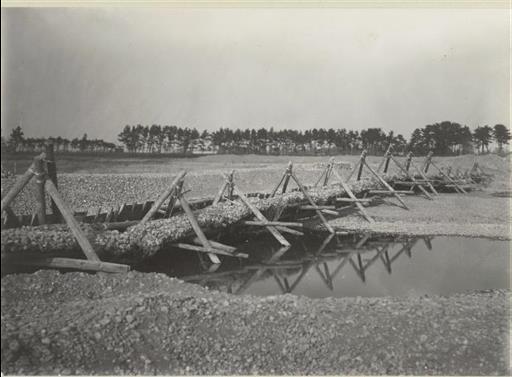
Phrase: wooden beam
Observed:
(202, 249)
(40, 192)
(51, 168)
(197, 228)
(72, 223)
(282, 223)
(20, 183)
(163, 197)
(260, 217)
(77, 264)
(349, 192)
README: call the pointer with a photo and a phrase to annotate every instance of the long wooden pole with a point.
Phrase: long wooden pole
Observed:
(260, 217)
(18, 186)
(71, 221)
(312, 202)
(197, 229)
(41, 197)
(353, 197)
(51, 168)
(449, 178)
(156, 206)
(425, 178)
(386, 185)
(397, 163)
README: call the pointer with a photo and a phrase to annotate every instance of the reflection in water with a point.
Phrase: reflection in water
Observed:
(342, 266)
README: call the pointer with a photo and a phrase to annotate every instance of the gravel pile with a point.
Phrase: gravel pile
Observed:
(139, 323)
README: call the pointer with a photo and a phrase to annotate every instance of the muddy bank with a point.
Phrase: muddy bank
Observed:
(151, 324)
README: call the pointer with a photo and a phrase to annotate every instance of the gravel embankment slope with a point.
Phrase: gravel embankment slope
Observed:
(149, 323)
(473, 215)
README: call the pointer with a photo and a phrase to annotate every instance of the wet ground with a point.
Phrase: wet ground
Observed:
(320, 266)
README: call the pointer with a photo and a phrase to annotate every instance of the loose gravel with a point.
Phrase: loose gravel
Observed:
(138, 323)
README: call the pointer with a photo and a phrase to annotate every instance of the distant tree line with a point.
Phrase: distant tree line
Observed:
(18, 143)
(444, 138)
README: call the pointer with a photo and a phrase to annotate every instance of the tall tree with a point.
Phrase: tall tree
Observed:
(482, 137)
(501, 135)
(16, 138)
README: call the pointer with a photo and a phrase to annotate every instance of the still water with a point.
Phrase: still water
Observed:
(341, 266)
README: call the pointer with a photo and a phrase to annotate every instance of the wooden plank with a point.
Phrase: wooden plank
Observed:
(288, 230)
(216, 245)
(360, 200)
(220, 193)
(20, 183)
(77, 264)
(260, 217)
(202, 249)
(163, 197)
(316, 207)
(282, 223)
(72, 223)
(197, 228)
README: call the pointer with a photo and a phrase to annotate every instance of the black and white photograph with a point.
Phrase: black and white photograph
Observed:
(255, 187)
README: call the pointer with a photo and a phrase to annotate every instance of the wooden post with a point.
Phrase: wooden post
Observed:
(51, 168)
(408, 161)
(156, 206)
(426, 164)
(363, 162)
(41, 197)
(385, 159)
(425, 178)
(70, 220)
(287, 178)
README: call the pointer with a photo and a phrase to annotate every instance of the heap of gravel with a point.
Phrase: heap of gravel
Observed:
(150, 324)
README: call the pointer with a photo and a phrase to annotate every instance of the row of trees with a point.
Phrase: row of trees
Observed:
(445, 138)
(18, 143)
(156, 138)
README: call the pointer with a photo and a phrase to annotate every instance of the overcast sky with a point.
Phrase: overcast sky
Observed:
(70, 71)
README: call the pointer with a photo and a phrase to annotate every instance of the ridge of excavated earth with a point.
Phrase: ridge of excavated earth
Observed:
(152, 324)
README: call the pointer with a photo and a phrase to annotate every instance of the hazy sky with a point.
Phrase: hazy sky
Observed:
(70, 71)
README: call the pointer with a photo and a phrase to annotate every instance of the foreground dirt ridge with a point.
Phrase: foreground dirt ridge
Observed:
(153, 324)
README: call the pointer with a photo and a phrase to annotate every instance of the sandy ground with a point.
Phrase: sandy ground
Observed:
(477, 214)
(152, 324)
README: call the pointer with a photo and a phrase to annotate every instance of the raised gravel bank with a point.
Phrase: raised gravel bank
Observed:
(150, 324)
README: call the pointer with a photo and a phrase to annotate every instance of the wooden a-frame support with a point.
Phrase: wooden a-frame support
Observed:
(389, 190)
(428, 162)
(285, 179)
(389, 157)
(44, 186)
(331, 170)
(175, 195)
